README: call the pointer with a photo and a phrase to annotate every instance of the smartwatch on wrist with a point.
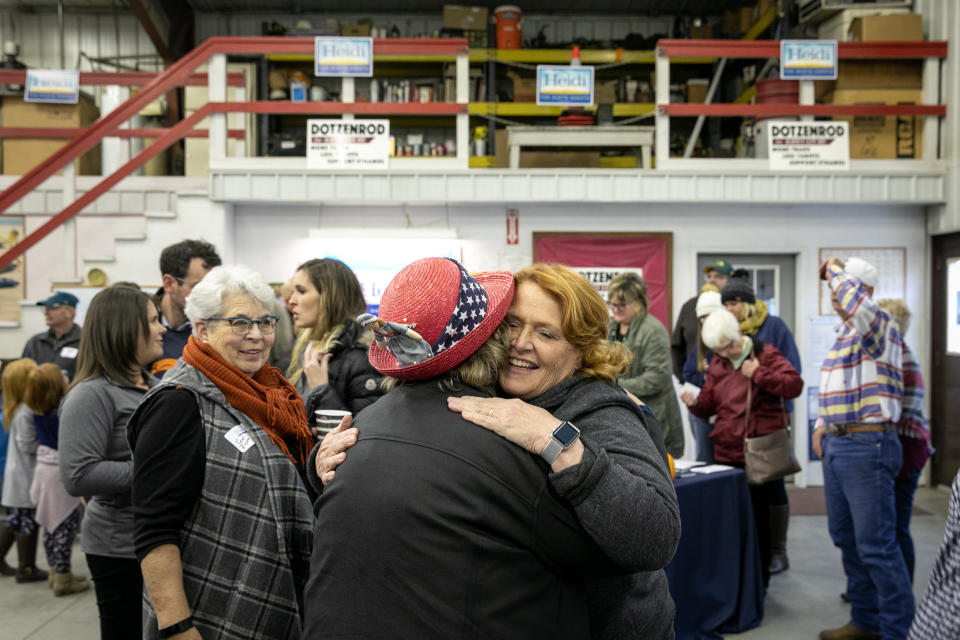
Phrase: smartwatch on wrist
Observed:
(174, 629)
(563, 436)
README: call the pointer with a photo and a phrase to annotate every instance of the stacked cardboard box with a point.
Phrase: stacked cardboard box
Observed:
(20, 155)
(882, 82)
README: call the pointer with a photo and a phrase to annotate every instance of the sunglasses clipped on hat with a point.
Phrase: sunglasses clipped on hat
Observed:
(433, 316)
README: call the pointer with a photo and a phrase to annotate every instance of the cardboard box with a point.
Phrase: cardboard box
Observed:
(745, 20)
(604, 92)
(20, 155)
(355, 30)
(457, 16)
(524, 89)
(543, 159)
(697, 89)
(704, 32)
(883, 137)
(730, 24)
(873, 74)
(762, 8)
(887, 28)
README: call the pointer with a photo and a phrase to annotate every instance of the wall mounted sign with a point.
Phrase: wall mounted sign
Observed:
(564, 86)
(342, 57)
(808, 146)
(348, 144)
(600, 256)
(808, 59)
(52, 85)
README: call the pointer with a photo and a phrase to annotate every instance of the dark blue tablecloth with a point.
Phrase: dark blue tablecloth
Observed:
(715, 576)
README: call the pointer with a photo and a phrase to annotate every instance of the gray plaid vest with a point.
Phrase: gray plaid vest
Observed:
(246, 548)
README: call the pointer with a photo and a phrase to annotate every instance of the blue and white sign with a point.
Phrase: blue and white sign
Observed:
(342, 57)
(564, 86)
(808, 59)
(52, 85)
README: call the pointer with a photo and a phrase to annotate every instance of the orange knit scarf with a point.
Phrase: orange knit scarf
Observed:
(266, 397)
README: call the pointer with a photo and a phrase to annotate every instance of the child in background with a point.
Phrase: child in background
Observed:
(18, 474)
(57, 510)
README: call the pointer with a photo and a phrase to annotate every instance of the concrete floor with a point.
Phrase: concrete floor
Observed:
(800, 603)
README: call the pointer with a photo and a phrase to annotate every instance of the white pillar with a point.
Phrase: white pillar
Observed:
(217, 82)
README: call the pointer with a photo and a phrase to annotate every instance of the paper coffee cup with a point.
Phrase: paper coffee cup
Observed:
(327, 420)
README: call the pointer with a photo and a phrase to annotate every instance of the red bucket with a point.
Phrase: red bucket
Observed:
(509, 27)
(777, 91)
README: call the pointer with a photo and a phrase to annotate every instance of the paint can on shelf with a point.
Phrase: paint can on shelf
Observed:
(509, 26)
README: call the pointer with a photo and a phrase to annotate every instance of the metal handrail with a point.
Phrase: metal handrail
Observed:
(181, 72)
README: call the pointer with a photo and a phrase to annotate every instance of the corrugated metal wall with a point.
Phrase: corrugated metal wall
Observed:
(941, 21)
(96, 35)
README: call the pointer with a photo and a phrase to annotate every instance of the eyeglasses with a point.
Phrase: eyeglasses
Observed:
(618, 306)
(242, 325)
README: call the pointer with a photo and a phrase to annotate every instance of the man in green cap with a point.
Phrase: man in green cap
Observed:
(59, 343)
(685, 331)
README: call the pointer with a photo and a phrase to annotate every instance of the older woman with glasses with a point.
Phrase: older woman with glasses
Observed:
(650, 374)
(223, 521)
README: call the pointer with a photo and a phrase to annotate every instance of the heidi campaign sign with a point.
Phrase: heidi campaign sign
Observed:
(564, 86)
(805, 146)
(348, 144)
(808, 59)
(342, 57)
(49, 85)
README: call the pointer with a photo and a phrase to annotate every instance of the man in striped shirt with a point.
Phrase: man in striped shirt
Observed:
(861, 388)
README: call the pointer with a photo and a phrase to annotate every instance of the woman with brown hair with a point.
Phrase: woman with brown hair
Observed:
(329, 365)
(57, 511)
(649, 375)
(122, 336)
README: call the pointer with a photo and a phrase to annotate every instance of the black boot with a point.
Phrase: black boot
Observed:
(779, 520)
(7, 536)
(27, 549)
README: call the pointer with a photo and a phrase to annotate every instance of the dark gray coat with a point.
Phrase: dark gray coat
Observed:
(624, 497)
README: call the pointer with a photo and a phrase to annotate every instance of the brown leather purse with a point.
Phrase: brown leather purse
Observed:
(771, 456)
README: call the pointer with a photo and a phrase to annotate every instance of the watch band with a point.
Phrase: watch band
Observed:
(552, 451)
(179, 627)
(562, 437)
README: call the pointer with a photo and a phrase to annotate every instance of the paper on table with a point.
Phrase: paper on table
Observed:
(711, 468)
(681, 465)
(692, 388)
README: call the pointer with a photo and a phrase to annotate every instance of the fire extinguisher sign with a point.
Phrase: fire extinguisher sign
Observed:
(513, 226)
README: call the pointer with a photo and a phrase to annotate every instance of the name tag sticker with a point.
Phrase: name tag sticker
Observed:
(68, 352)
(238, 437)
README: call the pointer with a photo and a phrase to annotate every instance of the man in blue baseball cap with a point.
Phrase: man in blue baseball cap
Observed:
(59, 343)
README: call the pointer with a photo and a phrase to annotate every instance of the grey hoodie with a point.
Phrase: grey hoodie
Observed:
(623, 495)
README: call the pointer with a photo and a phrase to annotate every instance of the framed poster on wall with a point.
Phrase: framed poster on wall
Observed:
(891, 264)
(13, 276)
(600, 256)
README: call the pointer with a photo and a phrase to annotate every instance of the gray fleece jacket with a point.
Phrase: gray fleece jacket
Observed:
(623, 495)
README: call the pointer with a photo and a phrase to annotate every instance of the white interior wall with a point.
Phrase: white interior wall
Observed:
(801, 231)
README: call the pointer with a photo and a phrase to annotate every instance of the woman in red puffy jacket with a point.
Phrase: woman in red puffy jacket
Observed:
(745, 368)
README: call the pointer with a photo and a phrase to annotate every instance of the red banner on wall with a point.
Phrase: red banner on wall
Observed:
(607, 255)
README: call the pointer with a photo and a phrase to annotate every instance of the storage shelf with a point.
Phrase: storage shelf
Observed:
(254, 180)
(562, 56)
(530, 56)
(517, 109)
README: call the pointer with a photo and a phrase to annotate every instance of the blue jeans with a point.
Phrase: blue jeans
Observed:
(904, 490)
(858, 476)
(701, 437)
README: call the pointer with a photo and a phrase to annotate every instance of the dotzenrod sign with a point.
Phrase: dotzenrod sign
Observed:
(809, 146)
